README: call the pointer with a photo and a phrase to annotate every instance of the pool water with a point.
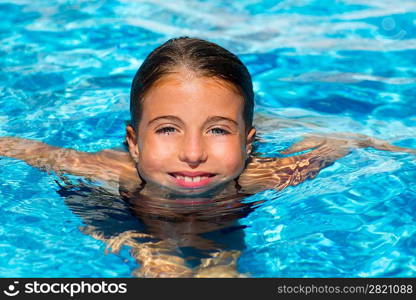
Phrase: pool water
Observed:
(317, 66)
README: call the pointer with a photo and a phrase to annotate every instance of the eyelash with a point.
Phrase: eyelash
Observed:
(224, 132)
(168, 131)
(164, 130)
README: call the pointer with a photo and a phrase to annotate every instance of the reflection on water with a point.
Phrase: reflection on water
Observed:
(168, 237)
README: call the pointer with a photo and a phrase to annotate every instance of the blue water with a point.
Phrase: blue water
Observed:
(317, 66)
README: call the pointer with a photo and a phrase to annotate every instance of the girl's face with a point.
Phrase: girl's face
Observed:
(191, 138)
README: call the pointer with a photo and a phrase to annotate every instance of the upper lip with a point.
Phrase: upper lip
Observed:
(192, 174)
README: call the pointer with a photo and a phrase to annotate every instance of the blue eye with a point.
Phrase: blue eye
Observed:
(165, 130)
(219, 131)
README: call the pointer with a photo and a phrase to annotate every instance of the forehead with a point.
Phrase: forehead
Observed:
(189, 95)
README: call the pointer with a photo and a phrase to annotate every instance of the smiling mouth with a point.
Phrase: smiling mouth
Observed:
(194, 180)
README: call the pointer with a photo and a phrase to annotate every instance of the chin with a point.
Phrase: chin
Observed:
(199, 191)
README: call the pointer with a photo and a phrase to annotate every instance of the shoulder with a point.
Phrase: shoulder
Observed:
(120, 160)
(260, 174)
(263, 173)
(116, 164)
(115, 155)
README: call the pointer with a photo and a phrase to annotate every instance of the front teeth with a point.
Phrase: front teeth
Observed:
(191, 179)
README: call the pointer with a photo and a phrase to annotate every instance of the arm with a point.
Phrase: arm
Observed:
(278, 173)
(108, 165)
(345, 140)
(160, 259)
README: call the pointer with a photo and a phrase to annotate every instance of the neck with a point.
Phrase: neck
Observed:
(156, 191)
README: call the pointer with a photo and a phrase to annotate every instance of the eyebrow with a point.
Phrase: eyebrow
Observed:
(220, 118)
(170, 117)
(212, 119)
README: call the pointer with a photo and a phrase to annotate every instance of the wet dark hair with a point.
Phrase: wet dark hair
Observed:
(200, 56)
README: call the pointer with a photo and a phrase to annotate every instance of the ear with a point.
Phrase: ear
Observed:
(250, 139)
(131, 139)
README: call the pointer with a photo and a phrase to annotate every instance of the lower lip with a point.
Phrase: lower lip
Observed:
(187, 184)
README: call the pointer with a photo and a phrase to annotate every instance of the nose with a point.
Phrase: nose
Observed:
(193, 151)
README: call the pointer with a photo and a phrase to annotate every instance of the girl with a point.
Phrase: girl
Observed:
(189, 149)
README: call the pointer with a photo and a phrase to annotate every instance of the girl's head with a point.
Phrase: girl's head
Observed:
(191, 106)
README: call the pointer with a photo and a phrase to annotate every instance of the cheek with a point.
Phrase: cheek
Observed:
(230, 156)
(154, 155)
